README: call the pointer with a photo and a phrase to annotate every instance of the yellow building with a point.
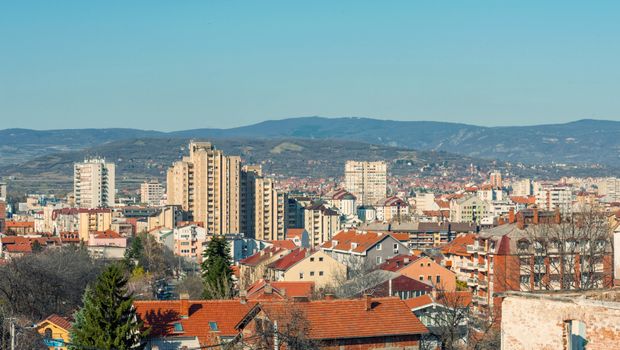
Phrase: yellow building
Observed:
(55, 332)
(93, 220)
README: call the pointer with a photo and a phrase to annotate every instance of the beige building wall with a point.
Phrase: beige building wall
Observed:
(270, 219)
(93, 221)
(367, 181)
(207, 183)
(319, 268)
(321, 224)
(94, 183)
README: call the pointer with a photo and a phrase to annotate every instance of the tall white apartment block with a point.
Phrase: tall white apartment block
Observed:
(94, 183)
(552, 197)
(367, 181)
(152, 193)
(2, 191)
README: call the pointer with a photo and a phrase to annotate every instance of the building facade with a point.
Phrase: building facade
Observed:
(367, 181)
(94, 183)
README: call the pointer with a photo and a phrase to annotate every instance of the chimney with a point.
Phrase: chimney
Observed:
(330, 297)
(367, 302)
(184, 305)
(511, 216)
(243, 297)
(520, 221)
(406, 261)
(535, 215)
(268, 289)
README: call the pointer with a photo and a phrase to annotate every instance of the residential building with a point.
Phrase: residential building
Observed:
(263, 290)
(392, 209)
(90, 220)
(94, 183)
(3, 192)
(425, 269)
(423, 235)
(342, 201)
(321, 223)
(458, 258)
(152, 193)
(55, 331)
(254, 267)
(269, 211)
(358, 248)
(367, 181)
(189, 242)
(352, 322)
(552, 320)
(242, 247)
(190, 324)
(536, 250)
(469, 209)
(523, 188)
(551, 197)
(495, 179)
(307, 265)
(107, 245)
(207, 184)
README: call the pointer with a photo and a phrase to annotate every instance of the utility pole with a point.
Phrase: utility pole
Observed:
(12, 320)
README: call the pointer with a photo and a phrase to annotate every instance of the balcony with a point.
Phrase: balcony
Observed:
(482, 267)
(472, 281)
(469, 265)
(483, 284)
(472, 249)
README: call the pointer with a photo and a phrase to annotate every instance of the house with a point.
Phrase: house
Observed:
(280, 290)
(392, 209)
(254, 267)
(55, 332)
(107, 244)
(173, 324)
(353, 324)
(299, 236)
(424, 235)
(458, 259)
(353, 247)
(307, 265)
(427, 270)
(396, 285)
(19, 227)
(437, 311)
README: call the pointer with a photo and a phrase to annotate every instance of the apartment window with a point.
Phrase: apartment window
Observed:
(395, 247)
(438, 279)
(378, 246)
(421, 277)
(311, 259)
(320, 258)
(301, 275)
(320, 273)
(311, 273)
(378, 260)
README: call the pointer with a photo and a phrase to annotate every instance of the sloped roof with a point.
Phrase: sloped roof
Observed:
(290, 259)
(350, 318)
(160, 317)
(280, 289)
(356, 241)
(59, 321)
(458, 246)
(285, 243)
(263, 255)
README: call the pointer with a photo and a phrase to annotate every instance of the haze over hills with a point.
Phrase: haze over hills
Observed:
(581, 142)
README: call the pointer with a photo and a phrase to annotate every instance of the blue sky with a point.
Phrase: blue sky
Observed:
(171, 65)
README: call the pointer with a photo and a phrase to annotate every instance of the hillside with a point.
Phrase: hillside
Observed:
(580, 142)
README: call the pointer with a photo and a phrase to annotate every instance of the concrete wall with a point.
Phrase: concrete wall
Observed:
(539, 323)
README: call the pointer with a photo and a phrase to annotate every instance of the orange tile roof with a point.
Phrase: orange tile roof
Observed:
(349, 318)
(458, 246)
(462, 299)
(11, 224)
(107, 234)
(400, 236)
(286, 244)
(523, 199)
(398, 262)
(294, 232)
(263, 255)
(420, 301)
(60, 321)
(160, 317)
(290, 259)
(344, 240)
(280, 289)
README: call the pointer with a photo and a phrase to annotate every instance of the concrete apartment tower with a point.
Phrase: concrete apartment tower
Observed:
(152, 193)
(207, 184)
(94, 183)
(262, 206)
(367, 181)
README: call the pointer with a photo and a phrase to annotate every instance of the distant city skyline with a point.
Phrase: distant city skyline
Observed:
(199, 64)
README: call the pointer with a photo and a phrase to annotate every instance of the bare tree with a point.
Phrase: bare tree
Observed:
(361, 277)
(566, 254)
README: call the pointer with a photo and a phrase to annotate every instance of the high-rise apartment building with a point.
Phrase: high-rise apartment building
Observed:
(495, 179)
(152, 193)
(262, 206)
(367, 181)
(3, 191)
(207, 184)
(94, 183)
(552, 197)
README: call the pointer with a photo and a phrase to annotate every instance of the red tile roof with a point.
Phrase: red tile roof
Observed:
(263, 255)
(107, 234)
(349, 318)
(420, 301)
(523, 199)
(458, 246)
(290, 259)
(294, 232)
(461, 299)
(280, 290)
(286, 244)
(398, 262)
(160, 317)
(363, 240)
(60, 321)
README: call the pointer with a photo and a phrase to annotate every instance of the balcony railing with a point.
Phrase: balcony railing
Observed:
(472, 281)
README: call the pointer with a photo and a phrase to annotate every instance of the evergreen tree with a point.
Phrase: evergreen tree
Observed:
(216, 270)
(134, 253)
(108, 319)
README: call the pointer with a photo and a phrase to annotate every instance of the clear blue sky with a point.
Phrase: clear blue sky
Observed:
(171, 65)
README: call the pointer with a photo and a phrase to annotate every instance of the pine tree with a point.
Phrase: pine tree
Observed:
(216, 270)
(108, 319)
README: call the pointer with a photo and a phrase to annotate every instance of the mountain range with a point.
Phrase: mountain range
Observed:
(585, 141)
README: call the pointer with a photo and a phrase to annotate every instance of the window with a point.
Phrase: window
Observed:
(575, 334)
(438, 279)
(301, 275)
(421, 277)
(213, 326)
(311, 273)
(320, 273)
(311, 259)
(378, 260)
(321, 258)
(48, 333)
(178, 327)
(378, 246)
(430, 278)
(395, 247)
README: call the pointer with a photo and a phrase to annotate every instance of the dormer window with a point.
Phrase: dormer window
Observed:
(378, 246)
